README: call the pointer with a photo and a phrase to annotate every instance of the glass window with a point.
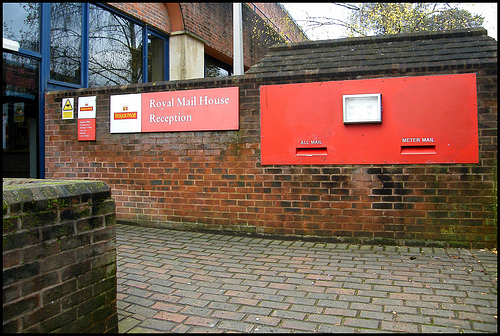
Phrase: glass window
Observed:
(66, 42)
(216, 68)
(115, 49)
(156, 58)
(21, 23)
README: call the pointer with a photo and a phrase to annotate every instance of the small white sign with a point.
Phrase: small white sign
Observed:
(362, 108)
(125, 113)
(87, 107)
(68, 105)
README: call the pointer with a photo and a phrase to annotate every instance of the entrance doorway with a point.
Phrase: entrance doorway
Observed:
(20, 116)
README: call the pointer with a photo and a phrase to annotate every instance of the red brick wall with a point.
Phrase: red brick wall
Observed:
(154, 14)
(214, 180)
(59, 257)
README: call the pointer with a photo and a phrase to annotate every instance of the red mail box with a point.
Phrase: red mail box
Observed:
(404, 120)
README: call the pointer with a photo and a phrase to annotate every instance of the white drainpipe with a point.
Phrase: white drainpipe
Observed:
(238, 67)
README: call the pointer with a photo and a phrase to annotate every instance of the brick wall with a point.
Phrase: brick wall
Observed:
(154, 14)
(214, 180)
(59, 258)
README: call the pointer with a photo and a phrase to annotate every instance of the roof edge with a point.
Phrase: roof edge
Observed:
(426, 35)
(337, 74)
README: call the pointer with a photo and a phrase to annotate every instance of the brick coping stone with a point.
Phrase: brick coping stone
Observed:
(18, 190)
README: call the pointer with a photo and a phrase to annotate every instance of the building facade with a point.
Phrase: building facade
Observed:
(60, 46)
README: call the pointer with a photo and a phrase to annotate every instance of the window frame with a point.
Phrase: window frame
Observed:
(81, 44)
(147, 31)
(53, 84)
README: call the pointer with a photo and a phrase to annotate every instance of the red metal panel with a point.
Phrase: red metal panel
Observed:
(425, 119)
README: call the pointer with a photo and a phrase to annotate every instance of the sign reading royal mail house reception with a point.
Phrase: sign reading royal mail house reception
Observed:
(173, 111)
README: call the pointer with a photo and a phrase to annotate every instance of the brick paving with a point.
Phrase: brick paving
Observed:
(187, 282)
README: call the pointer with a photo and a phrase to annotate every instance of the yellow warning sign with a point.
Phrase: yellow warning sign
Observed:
(67, 108)
(19, 112)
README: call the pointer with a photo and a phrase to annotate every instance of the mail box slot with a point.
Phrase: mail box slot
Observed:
(311, 151)
(399, 120)
(418, 150)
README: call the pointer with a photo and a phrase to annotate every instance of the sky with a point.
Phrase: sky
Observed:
(300, 12)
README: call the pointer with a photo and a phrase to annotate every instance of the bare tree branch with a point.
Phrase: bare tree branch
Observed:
(345, 5)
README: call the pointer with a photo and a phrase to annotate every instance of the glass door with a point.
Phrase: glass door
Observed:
(21, 70)
(20, 116)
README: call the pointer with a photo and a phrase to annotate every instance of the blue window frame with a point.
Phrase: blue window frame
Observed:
(66, 42)
(137, 54)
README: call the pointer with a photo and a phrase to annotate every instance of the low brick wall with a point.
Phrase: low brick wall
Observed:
(214, 180)
(59, 256)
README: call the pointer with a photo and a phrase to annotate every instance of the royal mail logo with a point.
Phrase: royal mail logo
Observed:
(86, 108)
(125, 115)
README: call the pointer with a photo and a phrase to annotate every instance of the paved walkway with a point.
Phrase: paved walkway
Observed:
(186, 282)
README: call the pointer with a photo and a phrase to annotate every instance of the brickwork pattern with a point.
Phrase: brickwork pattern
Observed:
(59, 257)
(154, 14)
(214, 180)
(174, 281)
